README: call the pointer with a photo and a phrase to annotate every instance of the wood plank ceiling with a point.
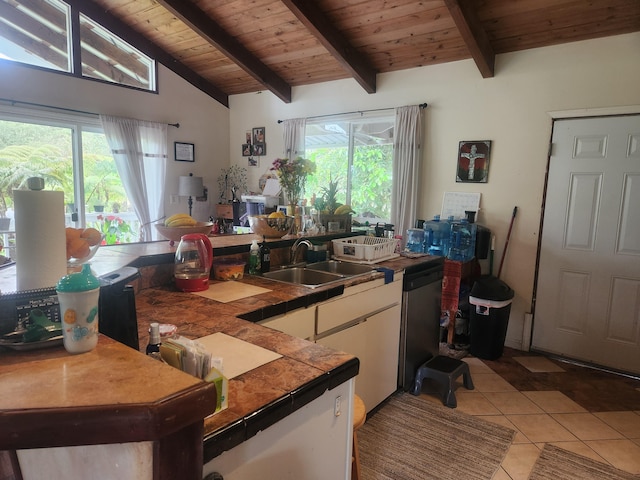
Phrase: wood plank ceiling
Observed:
(240, 46)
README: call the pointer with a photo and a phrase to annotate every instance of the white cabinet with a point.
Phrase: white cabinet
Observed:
(312, 443)
(299, 323)
(364, 321)
(367, 325)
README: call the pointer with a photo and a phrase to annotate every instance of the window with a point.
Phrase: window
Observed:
(358, 153)
(39, 34)
(71, 153)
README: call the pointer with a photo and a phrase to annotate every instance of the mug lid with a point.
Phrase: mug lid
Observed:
(78, 281)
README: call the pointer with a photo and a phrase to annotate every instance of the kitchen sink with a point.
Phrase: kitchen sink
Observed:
(303, 276)
(318, 274)
(341, 268)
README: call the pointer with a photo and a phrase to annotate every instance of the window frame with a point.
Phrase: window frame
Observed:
(353, 120)
(75, 53)
(77, 123)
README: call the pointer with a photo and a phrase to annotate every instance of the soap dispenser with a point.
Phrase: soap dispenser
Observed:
(254, 258)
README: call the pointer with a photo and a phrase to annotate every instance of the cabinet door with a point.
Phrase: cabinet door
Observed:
(299, 323)
(352, 340)
(381, 357)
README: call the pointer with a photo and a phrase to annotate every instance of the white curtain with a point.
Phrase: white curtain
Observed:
(293, 135)
(140, 152)
(406, 167)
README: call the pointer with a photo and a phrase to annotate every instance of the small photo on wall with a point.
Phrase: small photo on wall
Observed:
(260, 149)
(247, 150)
(252, 162)
(473, 161)
(258, 135)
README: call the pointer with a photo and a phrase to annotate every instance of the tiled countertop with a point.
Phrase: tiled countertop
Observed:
(266, 394)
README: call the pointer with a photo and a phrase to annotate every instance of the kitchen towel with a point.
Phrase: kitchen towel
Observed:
(41, 249)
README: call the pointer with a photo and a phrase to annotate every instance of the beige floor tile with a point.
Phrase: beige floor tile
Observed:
(586, 426)
(541, 428)
(622, 454)
(477, 366)
(501, 475)
(627, 423)
(580, 448)
(504, 421)
(491, 382)
(538, 364)
(474, 403)
(514, 403)
(520, 460)
(554, 402)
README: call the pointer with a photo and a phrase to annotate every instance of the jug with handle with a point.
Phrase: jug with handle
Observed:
(193, 260)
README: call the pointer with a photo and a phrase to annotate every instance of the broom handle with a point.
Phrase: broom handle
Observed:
(506, 243)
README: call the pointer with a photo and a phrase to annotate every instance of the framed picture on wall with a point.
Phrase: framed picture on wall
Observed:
(247, 149)
(473, 161)
(184, 152)
(258, 135)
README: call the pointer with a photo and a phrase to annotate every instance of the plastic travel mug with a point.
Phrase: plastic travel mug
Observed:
(78, 296)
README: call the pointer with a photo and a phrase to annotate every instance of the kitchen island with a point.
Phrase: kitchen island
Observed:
(267, 397)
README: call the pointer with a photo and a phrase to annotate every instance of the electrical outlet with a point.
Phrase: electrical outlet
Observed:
(173, 199)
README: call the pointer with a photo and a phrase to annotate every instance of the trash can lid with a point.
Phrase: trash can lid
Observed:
(491, 288)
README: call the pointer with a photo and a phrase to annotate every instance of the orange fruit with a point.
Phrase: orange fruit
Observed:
(78, 248)
(92, 236)
(72, 233)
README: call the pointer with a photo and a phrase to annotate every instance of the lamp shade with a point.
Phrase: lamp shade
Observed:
(190, 186)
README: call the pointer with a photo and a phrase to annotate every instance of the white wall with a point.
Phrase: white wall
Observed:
(203, 121)
(511, 109)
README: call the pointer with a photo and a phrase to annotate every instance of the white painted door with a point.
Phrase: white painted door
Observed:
(588, 292)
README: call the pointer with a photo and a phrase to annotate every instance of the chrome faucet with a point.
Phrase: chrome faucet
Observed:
(294, 248)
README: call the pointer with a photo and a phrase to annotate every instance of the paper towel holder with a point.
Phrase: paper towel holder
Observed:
(35, 183)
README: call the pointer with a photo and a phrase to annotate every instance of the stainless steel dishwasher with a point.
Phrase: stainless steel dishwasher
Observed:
(420, 327)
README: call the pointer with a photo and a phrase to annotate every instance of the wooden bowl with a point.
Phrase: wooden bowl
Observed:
(175, 233)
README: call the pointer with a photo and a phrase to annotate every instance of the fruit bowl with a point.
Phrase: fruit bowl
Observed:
(276, 227)
(73, 261)
(175, 233)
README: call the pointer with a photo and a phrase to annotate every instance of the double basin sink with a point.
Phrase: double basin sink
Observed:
(318, 274)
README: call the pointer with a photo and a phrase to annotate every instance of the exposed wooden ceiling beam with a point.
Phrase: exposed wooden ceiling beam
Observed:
(473, 35)
(334, 41)
(211, 31)
(149, 48)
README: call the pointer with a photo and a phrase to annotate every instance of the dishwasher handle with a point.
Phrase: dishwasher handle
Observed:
(420, 279)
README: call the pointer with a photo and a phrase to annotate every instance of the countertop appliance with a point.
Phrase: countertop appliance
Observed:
(420, 327)
(117, 306)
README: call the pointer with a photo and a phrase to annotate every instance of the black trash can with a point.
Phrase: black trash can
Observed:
(490, 304)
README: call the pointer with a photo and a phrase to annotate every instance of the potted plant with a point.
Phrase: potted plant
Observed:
(335, 216)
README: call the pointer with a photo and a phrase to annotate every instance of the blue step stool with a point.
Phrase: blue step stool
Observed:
(444, 371)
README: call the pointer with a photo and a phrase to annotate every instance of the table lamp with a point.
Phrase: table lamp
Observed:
(190, 186)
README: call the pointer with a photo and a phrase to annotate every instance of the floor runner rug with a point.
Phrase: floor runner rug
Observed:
(411, 438)
(555, 463)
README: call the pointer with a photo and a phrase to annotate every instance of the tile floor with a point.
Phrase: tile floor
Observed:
(587, 411)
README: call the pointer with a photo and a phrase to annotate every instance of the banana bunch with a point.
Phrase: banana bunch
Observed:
(343, 210)
(180, 220)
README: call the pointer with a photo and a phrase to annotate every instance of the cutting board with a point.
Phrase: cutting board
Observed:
(237, 355)
(225, 292)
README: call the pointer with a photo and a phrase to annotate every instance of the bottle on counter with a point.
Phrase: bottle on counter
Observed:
(254, 258)
(153, 348)
(265, 256)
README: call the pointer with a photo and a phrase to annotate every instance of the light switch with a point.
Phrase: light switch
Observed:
(173, 199)
(337, 411)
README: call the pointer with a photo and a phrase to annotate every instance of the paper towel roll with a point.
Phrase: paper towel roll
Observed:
(41, 253)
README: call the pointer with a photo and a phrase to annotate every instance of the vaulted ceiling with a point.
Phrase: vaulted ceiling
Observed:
(227, 47)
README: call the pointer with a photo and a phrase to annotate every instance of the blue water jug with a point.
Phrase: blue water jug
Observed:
(436, 237)
(462, 241)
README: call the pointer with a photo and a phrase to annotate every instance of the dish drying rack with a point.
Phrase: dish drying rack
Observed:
(365, 249)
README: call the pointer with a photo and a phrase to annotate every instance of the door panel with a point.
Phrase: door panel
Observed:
(588, 291)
